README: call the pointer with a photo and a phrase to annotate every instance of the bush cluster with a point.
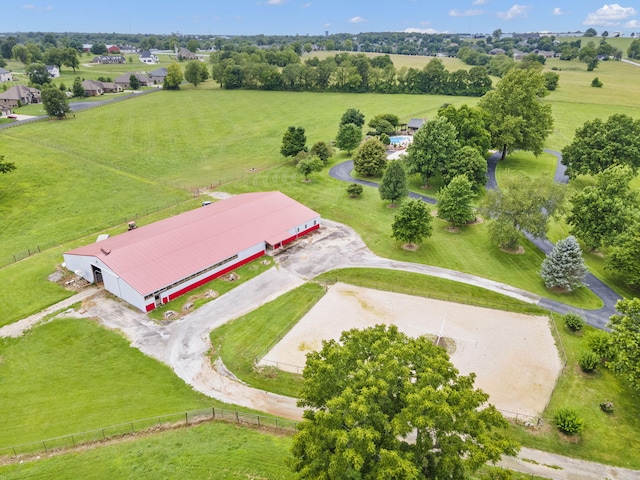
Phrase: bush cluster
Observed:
(568, 421)
(573, 321)
(588, 361)
(607, 406)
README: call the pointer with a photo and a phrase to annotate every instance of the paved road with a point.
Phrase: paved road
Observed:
(597, 318)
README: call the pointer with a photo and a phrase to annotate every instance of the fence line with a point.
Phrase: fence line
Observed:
(136, 426)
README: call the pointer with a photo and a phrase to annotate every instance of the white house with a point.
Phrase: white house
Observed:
(147, 57)
(5, 75)
(154, 264)
(54, 72)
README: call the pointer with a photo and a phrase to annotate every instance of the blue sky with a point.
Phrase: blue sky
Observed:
(314, 17)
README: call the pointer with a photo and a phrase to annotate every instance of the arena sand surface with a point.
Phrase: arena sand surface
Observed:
(513, 355)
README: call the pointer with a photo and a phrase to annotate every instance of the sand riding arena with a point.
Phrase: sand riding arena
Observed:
(513, 355)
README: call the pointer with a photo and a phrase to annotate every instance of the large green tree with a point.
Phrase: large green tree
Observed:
(193, 72)
(322, 150)
(70, 58)
(348, 137)
(522, 204)
(634, 49)
(563, 268)
(174, 77)
(384, 123)
(468, 162)
(55, 102)
(455, 202)
(598, 145)
(393, 186)
(38, 74)
(432, 147)
(352, 115)
(370, 159)
(624, 256)
(294, 141)
(380, 404)
(517, 117)
(470, 126)
(412, 223)
(625, 340)
(601, 212)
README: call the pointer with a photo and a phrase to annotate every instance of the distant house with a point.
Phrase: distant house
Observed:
(4, 111)
(544, 53)
(113, 49)
(86, 47)
(184, 54)
(110, 87)
(158, 76)
(147, 57)
(54, 72)
(108, 59)
(127, 49)
(497, 51)
(414, 124)
(92, 88)
(123, 80)
(518, 55)
(19, 95)
(5, 75)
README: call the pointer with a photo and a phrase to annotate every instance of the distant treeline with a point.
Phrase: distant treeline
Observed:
(282, 69)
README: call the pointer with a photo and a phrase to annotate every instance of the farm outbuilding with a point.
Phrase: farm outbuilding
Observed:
(153, 264)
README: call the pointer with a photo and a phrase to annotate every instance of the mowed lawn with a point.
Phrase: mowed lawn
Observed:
(70, 376)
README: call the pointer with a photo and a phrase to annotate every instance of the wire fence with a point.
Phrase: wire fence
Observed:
(148, 425)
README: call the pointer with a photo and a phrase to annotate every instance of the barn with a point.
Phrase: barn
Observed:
(153, 264)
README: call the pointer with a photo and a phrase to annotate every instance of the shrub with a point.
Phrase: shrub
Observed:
(354, 190)
(606, 406)
(384, 138)
(573, 321)
(596, 83)
(599, 342)
(588, 361)
(568, 421)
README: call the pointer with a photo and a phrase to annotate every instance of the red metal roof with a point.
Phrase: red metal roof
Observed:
(156, 255)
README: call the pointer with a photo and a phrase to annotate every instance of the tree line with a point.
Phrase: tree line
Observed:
(274, 69)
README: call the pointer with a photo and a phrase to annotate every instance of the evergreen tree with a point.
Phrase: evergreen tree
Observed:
(564, 267)
(394, 182)
(454, 204)
(77, 89)
(293, 141)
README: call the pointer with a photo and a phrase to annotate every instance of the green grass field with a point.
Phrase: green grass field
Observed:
(72, 375)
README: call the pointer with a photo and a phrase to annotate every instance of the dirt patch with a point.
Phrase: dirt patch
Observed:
(67, 279)
(516, 251)
(451, 229)
(513, 355)
(411, 247)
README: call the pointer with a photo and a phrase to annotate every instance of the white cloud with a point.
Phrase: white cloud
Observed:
(357, 20)
(480, 2)
(609, 15)
(275, 2)
(558, 11)
(514, 12)
(632, 24)
(466, 13)
(420, 30)
(327, 25)
(28, 6)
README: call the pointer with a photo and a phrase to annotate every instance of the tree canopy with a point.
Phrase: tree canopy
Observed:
(624, 256)
(455, 201)
(38, 74)
(598, 145)
(564, 268)
(470, 126)
(352, 115)
(601, 212)
(432, 147)
(370, 158)
(322, 150)
(412, 223)
(348, 137)
(522, 204)
(195, 72)
(55, 102)
(517, 119)
(174, 77)
(468, 162)
(369, 393)
(308, 165)
(394, 182)
(293, 141)
(6, 167)
(625, 340)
